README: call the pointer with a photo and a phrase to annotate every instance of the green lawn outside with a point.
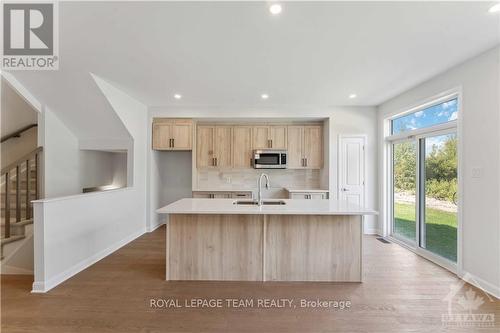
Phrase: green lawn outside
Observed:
(441, 227)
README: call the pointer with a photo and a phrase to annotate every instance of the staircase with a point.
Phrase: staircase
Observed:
(18, 187)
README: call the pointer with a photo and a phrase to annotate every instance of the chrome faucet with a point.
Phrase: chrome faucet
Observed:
(259, 195)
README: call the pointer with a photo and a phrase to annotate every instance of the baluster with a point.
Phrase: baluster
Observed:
(18, 193)
(7, 205)
(28, 212)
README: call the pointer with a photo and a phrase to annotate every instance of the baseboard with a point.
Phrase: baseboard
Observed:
(152, 228)
(8, 270)
(44, 286)
(371, 231)
(480, 283)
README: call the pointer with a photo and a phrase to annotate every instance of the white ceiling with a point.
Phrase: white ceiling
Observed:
(228, 53)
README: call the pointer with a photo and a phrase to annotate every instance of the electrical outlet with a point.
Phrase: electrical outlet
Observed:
(477, 172)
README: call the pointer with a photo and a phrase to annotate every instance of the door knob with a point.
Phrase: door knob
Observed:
(344, 189)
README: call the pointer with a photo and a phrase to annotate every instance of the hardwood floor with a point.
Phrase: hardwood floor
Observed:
(401, 292)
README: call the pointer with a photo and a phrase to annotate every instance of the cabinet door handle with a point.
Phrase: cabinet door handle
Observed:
(173, 143)
(213, 161)
(271, 143)
(305, 160)
(216, 161)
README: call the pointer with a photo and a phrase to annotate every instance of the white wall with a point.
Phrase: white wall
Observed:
(15, 148)
(480, 138)
(61, 169)
(343, 120)
(15, 114)
(99, 168)
(71, 233)
(359, 121)
(174, 171)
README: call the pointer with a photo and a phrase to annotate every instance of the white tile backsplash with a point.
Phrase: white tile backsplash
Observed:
(229, 179)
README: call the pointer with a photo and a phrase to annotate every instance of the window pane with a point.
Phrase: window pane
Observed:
(434, 115)
(440, 235)
(404, 191)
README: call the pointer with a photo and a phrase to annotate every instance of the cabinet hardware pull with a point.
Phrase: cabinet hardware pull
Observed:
(271, 143)
(216, 161)
(173, 143)
(305, 160)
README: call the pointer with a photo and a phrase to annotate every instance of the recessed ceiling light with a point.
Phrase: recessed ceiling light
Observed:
(351, 96)
(264, 96)
(495, 8)
(275, 9)
(177, 96)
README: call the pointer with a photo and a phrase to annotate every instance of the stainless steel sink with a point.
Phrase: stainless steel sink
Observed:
(254, 202)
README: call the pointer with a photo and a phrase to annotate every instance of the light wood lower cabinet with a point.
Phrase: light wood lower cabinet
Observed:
(264, 247)
(172, 134)
(308, 195)
(305, 147)
(223, 194)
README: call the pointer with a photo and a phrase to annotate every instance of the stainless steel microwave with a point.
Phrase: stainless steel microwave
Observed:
(269, 159)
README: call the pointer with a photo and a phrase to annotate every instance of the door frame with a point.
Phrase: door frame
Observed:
(340, 159)
(416, 247)
(387, 185)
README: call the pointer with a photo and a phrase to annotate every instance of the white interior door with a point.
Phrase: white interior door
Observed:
(352, 169)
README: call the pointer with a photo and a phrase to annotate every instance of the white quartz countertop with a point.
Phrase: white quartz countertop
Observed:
(223, 190)
(292, 207)
(308, 190)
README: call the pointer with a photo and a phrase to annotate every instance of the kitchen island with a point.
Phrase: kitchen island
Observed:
(281, 240)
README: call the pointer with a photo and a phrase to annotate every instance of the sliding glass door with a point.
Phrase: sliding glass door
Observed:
(439, 206)
(404, 194)
(424, 180)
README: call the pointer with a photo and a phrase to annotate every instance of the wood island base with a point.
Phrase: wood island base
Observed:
(253, 247)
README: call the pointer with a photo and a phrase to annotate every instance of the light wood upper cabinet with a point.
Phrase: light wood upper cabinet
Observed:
(172, 134)
(205, 146)
(242, 147)
(305, 147)
(273, 136)
(278, 137)
(313, 147)
(222, 144)
(261, 136)
(231, 146)
(162, 137)
(295, 144)
(213, 146)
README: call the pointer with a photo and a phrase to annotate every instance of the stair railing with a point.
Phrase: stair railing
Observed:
(16, 166)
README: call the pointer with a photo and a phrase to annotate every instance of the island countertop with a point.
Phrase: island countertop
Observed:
(291, 207)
